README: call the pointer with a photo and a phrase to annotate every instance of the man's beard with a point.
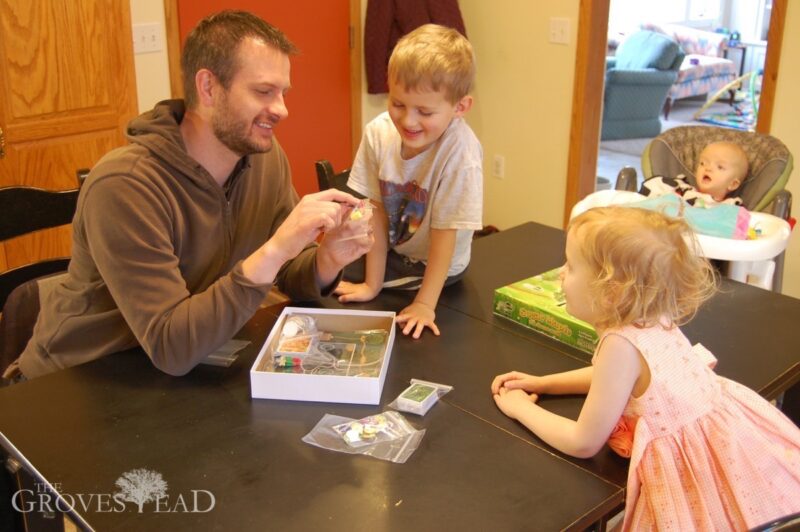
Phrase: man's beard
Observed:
(233, 133)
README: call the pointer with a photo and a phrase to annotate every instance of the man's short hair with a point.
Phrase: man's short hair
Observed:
(214, 43)
(434, 57)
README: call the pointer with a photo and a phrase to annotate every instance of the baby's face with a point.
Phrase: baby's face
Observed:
(721, 169)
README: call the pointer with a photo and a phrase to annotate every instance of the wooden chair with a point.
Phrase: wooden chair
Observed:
(328, 178)
(25, 210)
(785, 523)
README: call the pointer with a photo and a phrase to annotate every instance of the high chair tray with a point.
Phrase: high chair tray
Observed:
(773, 232)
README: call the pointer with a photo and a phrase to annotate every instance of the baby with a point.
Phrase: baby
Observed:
(721, 170)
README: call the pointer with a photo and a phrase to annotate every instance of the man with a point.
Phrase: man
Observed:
(179, 235)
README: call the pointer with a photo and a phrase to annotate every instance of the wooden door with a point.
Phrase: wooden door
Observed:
(67, 90)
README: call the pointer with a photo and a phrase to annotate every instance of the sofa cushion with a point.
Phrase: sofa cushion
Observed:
(693, 41)
(704, 66)
(647, 49)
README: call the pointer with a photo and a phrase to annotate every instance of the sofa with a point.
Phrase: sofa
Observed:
(637, 80)
(704, 69)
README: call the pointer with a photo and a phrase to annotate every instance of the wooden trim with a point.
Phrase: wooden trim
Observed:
(355, 74)
(587, 96)
(766, 102)
(172, 24)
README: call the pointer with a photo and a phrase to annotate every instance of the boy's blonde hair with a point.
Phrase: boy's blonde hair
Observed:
(645, 269)
(434, 57)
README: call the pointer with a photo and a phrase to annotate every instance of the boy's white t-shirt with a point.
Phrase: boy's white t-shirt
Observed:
(440, 188)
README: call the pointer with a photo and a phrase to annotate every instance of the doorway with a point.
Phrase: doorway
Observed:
(588, 93)
(718, 80)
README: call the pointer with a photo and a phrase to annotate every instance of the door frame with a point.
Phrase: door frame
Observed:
(587, 93)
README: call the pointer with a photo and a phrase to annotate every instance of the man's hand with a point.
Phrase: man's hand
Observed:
(351, 292)
(315, 214)
(416, 317)
(344, 243)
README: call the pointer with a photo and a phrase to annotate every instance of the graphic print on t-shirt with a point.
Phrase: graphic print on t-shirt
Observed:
(405, 205)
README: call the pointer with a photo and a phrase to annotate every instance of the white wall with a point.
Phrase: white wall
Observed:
(523, 101)
(152, 69)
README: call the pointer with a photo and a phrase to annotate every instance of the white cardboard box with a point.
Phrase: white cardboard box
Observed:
(324, 388)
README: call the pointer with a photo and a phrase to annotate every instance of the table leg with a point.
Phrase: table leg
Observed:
(609, 520)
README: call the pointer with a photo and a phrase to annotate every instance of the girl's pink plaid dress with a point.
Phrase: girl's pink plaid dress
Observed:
(706, 453)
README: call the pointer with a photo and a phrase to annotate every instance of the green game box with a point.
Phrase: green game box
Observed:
(538, 303)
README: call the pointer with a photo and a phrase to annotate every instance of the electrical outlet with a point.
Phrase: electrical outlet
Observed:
(559, 30)
(499, 167)
(147, 38)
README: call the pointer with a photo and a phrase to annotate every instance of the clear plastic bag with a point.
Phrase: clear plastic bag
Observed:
(386, 436)
(419, 397)
(342, 353)
(358, 221)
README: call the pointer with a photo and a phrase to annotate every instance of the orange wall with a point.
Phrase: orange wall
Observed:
(318, 126)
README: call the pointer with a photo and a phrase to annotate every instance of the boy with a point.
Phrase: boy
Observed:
(721, 170)
(421, 166)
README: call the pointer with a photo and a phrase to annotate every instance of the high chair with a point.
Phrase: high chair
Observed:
(758, 261)
(677, 150)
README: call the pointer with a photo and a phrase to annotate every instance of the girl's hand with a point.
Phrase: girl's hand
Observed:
(516, 380)
(513, 402)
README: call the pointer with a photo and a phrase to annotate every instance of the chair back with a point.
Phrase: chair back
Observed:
(637, 81)
(677, 150)
(785, 523)
(24, 210)
(648, 49)
(328, 178)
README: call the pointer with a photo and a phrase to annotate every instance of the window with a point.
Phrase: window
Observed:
(629, 14)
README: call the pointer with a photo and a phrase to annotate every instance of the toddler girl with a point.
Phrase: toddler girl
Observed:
(706, 453)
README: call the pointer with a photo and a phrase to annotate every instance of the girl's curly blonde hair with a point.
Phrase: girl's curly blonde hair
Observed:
(646, 264)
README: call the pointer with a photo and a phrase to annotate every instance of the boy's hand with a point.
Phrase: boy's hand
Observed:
(349, 292)
(416, 317)
(513, 402)
(516, 380)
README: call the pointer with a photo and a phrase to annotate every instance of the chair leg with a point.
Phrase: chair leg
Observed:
(667, 107)
(790, 404)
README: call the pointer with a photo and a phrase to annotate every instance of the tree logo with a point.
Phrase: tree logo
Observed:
(140, 486)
